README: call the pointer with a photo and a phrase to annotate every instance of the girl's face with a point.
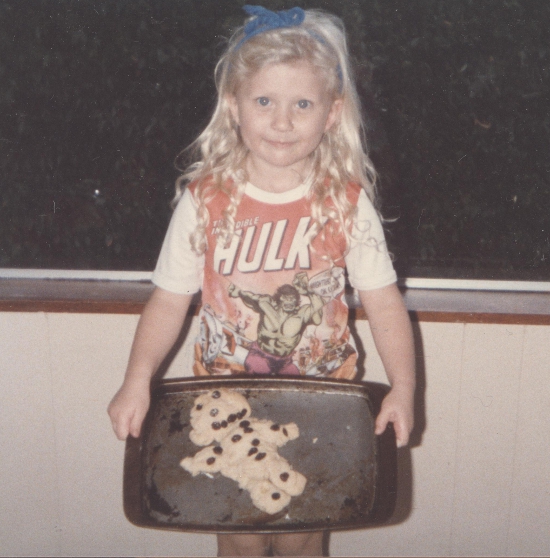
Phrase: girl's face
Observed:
(283, 110)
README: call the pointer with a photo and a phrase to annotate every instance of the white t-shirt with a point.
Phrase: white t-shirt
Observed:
(273, 300)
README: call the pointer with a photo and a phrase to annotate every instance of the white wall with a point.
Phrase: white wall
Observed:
(480, 461)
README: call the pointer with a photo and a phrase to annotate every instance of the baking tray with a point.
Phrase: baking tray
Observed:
(351, 472)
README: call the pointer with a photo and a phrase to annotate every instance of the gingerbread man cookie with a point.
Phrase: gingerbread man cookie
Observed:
(243, 449)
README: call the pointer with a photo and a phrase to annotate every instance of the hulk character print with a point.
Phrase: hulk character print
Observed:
(295, 331)
(283, 320)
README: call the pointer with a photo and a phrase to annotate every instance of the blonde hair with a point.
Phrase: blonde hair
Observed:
(341, 155)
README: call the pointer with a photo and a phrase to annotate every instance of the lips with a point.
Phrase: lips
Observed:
(280, 144)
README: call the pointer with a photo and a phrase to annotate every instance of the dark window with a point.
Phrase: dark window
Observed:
(99, 96)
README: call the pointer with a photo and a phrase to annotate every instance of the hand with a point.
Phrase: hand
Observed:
(300, 283)
(233, 290)
(397, 408)
(129, 407)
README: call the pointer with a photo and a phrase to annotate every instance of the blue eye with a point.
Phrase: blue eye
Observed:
(303, 104)
(263, 101)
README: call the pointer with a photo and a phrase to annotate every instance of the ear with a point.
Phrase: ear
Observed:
(233, 108)
(334, 113)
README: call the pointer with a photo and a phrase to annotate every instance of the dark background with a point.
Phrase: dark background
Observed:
(97, 97)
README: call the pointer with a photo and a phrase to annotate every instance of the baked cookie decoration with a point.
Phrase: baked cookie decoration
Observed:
(216, 413)
(243, 449)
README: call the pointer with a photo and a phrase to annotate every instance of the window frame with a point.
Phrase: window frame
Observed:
(428, 300)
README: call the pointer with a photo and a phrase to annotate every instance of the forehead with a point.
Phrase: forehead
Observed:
(294, 79)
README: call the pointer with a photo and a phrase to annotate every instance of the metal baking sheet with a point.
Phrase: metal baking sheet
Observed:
(351, 472)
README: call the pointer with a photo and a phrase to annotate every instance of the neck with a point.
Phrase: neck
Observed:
(277, 180)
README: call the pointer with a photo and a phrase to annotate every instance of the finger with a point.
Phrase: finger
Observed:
(135, 424)
(401, 434)
(381, 423)
(401, 442)
(400, 439)
(123, 429)
(120, 431)
(120, 427)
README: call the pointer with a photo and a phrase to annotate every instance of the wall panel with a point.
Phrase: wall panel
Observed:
(491, 367)
(29, 510)
(475, 481)
(90, 357)
(529, 518)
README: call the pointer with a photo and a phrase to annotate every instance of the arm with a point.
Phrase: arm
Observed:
(157, 331)
(392, 333)
(251, 300)
(314, 312)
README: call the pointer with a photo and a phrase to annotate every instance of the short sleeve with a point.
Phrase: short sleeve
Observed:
(179, 269)
(368, 262)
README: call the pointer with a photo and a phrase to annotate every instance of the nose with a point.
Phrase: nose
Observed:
(282, 120)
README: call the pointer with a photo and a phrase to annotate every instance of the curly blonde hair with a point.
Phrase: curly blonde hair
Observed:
(339, 159)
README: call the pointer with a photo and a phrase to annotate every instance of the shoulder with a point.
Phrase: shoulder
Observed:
(351, 190)
(192, 188)
(354, 192)
(209, 189)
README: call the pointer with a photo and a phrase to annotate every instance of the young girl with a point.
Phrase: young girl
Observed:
(277, 211)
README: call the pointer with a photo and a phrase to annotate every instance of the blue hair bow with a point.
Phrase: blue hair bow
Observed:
(266, 20)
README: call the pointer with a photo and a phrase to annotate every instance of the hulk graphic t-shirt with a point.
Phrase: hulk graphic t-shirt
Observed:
(273, 299)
